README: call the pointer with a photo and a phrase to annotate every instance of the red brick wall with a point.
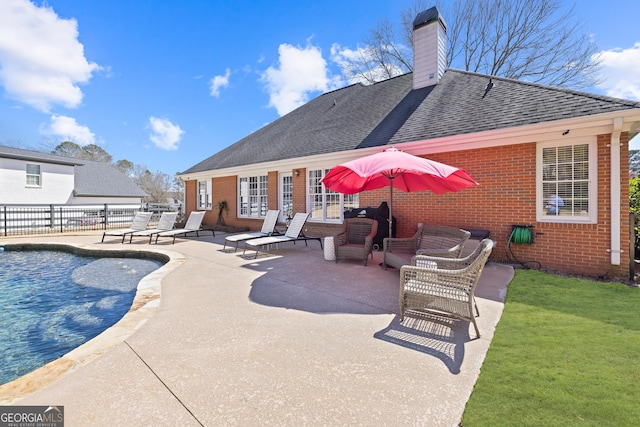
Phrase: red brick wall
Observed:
(506, 195)
(299, 191)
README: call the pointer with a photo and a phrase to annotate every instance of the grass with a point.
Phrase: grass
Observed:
(565, 353)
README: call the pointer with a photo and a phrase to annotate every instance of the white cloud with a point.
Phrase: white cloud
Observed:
(301, 72)
(164, 134)
(218, 82)
(621, 72)
(41, 60)
(69, 130)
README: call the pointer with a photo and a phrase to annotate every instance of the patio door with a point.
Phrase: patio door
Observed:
(285, 202)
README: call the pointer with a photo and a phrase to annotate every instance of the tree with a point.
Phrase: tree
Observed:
(634, 163)
(531, 40)
(95, 153)
(634, 206)
(68, 149)
(125, 166)
(157, 185)
(88, 152)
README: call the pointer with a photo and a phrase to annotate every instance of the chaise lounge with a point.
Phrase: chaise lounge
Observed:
(166, 222)
(193, 225)
(139, 223)
(294, 233)
(268, 229)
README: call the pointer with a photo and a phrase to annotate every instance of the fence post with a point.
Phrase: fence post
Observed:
(4, 214)
(52, 214)
(106, 216)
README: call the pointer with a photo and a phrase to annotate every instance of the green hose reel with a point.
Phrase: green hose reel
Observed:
(521, 234)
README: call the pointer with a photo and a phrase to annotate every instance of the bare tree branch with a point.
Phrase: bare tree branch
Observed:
(533, 40)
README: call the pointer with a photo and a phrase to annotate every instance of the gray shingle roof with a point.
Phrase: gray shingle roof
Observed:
(90, 178)
(390, 112)
(103, 179)
(36, 156)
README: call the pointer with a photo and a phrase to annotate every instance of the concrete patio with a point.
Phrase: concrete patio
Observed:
(288, 339)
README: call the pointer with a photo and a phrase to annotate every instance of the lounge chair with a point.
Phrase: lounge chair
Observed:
(166, 222)
(139, 223)
(193, 225)
(443, 286)
(268, 229)
(293, 234)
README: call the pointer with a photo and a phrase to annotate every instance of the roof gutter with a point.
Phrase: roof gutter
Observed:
(583, 126)
(615, 191)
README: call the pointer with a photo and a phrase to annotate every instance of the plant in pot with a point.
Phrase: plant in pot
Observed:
(222, 207)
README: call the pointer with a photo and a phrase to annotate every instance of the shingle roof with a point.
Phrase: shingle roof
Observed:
(390, 112)
(90, 178)
(36, 156)
(104, 180)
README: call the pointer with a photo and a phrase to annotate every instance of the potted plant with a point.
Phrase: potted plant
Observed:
(222, 207)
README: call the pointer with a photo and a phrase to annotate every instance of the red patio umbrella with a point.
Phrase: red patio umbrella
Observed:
(396, 169)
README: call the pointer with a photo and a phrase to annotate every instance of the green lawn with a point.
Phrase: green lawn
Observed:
(565, 353)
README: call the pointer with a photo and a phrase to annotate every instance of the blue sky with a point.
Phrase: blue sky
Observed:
(167, 83)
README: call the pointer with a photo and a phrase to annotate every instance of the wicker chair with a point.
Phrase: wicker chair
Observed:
(444, 286)
(356, 239)
(431, 240)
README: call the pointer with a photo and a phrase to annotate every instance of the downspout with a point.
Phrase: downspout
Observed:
(615, 191)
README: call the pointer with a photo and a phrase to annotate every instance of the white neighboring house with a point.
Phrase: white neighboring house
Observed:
(33, 177)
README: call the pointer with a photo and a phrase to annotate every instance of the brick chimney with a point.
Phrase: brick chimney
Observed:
(429, 48)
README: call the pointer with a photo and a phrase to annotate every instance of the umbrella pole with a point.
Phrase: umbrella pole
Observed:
(390, 206)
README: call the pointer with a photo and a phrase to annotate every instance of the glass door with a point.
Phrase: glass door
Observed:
(286, 198)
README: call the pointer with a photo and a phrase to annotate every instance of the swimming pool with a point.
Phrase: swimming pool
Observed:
(52, 301)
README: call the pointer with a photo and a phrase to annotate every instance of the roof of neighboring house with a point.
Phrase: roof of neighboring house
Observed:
(90, 178)
(36, 156)
(390, 112)
(104, 180)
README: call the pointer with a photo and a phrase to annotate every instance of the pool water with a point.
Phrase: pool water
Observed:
(53, 301)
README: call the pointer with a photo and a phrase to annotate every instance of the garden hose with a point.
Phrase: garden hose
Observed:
(520, 235)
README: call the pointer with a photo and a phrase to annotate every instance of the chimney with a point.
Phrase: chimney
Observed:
(429, 48)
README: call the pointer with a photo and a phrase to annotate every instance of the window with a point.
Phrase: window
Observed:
(286, 197)
(33, 175)
(567, 182)
(253, 196)
(204, 194)
(324, 204)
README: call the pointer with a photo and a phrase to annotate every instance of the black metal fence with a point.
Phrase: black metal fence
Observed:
(45, 219)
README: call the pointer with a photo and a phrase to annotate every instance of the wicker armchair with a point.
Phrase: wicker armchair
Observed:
(432, 240)
(356, 239)
(444, 286)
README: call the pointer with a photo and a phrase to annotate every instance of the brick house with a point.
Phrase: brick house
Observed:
(522, 142)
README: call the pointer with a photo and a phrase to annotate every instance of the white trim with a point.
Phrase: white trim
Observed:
(208, 196)
(592, 216)
(615, 191)
(282, 216)
(259, 195)
(584, 126)
(27, 175)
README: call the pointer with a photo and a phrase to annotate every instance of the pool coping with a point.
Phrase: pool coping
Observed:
(144, 306)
